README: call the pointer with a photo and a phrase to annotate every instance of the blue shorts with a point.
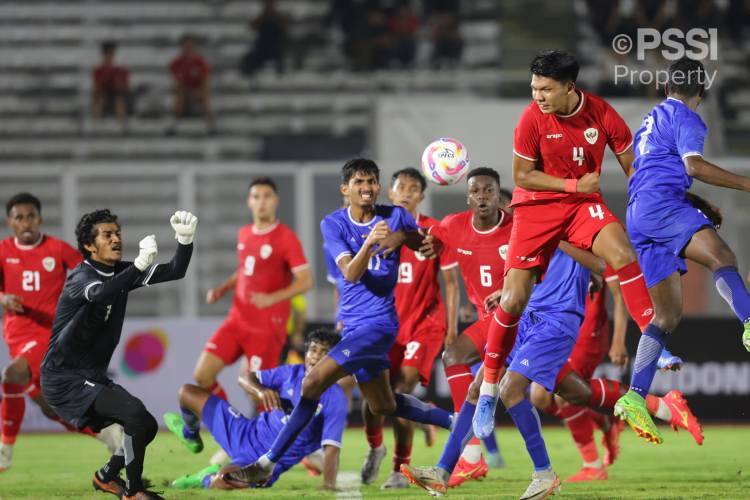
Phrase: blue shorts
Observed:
(236, 434)
(364, 347)
(660, 226)
(542, 347)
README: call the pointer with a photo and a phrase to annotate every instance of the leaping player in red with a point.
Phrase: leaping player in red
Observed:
(33, 267)
(424, 323)
(559, 144)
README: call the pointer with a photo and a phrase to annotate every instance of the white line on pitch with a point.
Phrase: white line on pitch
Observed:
(348, 483)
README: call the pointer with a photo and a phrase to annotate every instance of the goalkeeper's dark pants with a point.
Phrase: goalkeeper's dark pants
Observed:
(115, 404)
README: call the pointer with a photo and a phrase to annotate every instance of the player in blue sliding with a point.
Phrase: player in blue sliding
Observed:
(666, 227)
(363, 240)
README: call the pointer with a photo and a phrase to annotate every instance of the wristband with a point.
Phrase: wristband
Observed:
(571, 185)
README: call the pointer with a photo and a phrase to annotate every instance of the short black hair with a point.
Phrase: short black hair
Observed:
(108, 46)
(322, 336)
(410, 172)
(489, 172)
(263, 181)
(86, 228)
(363, 165)
(687, 77)
(23, 199)
(556, 64)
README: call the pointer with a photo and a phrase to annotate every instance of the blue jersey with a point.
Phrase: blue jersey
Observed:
(326, 428)
(670, 133)
(561, 296)
(372, 296)
(333, 276)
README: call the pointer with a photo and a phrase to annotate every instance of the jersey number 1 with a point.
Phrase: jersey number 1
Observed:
(30, 281)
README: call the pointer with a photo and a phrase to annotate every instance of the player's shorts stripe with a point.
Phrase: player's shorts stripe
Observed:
(625, 148)
(523, 156)
(88, 287)
(301, 267)
(631, 280)
(341, 256)
(449, 266)
(150, 274)
(468, 374)
(692, 153)
(503, 324)
(330, 442)
(601, 383)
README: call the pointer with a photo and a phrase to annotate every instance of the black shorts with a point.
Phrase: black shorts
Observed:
(71, 394)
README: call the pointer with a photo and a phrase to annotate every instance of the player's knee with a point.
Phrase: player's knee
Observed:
(622, 256)
(539, 397)
(383, 407)
(724, 256)
(667, 318)
(509, 394)
(513, 302)
(16, 373)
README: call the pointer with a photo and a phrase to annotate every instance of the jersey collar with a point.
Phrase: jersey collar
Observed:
(492, 229)
(100, 268)
(267, 230)
(364, 224)
(29, 247)
(578, 108)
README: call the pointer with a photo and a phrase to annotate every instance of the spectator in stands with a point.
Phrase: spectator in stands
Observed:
(351, 17)
(378, 40)
(270, 41)
(111, 85)
(190, 72)
(446, 38)
(403, 24)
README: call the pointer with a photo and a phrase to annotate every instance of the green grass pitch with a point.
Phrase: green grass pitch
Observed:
(61, 465)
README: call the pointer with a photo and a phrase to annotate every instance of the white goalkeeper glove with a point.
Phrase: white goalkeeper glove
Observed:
(184, 224)
(147, 253)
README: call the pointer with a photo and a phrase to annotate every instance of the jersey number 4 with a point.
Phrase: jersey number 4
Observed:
(578, 155)
(30, 281)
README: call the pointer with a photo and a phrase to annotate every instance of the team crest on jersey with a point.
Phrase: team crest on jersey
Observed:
(591, 135)
(265, 251)
(503, 250)
(48, 263)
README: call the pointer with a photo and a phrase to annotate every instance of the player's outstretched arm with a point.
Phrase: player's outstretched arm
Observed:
(528, 177)
(302, 281)
(184, 224)
(330, 466)
(214, 294)
(707, 172)
(127, 279)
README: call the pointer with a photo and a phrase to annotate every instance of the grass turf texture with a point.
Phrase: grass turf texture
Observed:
(61, 466)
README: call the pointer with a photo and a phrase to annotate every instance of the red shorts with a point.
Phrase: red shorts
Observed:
(235, 338)
(539, 228)
(419, 351)
(31, 347)
(477, 333)
(590, 350)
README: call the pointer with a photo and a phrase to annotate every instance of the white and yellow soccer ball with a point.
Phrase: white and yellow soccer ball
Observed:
(445, 161)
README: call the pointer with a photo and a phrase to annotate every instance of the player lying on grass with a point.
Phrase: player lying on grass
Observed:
(547, 334)
(245, 439)
(364, 239)
(86, 331)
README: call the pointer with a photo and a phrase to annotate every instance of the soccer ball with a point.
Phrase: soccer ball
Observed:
(445, 161)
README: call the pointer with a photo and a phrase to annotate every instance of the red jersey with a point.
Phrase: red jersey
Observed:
(111, 78)
(417, 293)
(596, 308)
(480, 254)
(37, 274)
(568, 146)
(266, 259)
(190, 71)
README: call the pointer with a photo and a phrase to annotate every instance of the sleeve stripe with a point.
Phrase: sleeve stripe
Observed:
(449, 266)
(150, 274)
(301, 267)
(341, 256)
(624, 149)
(692, 153)
(88, 287)
(523, 156)
(259, 376)
(330, 442)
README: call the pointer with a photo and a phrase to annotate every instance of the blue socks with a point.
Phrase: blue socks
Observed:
(460, 435)
(646, 359)
(490, 443)
(411, 408)
(732, 289)
(527, 421)
(192, 426)
(298, 420)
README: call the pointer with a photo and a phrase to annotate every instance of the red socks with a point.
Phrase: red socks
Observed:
(12, 409)
(635, 294)
(604, 393)
(218, 391)
(375, 435)
(581, 426)
(402, 455)
(459, 379)
(500, 339)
